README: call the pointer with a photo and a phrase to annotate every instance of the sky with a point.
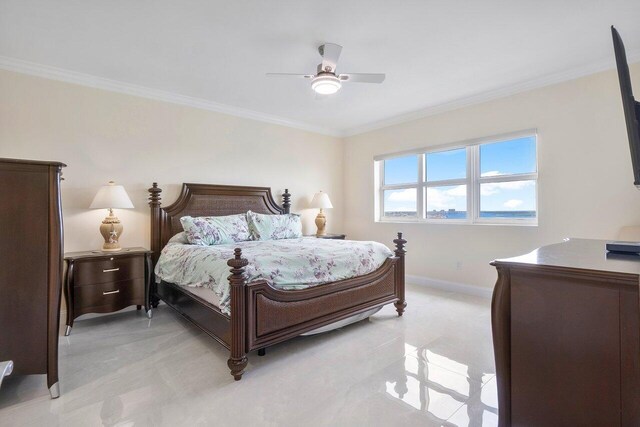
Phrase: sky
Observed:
(500, 158)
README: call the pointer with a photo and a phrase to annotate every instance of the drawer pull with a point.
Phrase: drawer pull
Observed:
(110, 269)
(111, 292)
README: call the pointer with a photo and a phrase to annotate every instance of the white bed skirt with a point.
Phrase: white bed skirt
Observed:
(344, 322)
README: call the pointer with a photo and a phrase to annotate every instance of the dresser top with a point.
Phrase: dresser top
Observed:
(32, 162)
(103, 254)
(578, 254)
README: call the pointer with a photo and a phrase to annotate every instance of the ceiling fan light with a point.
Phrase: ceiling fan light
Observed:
(326, 85)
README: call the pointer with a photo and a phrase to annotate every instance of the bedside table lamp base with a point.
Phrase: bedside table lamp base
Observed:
(321, 223)
(111, 230)
(321, 201)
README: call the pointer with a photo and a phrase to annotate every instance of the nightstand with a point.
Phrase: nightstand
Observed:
(329, 236)
(104, 282)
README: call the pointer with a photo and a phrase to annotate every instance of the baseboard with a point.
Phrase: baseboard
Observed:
(445, 285)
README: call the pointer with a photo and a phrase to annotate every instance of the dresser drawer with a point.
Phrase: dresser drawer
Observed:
(108, 297)
(112, 269)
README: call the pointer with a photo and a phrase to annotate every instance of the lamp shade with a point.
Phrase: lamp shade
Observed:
(111, 197)
(321, 200)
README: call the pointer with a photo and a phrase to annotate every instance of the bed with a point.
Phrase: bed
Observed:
(259, 314)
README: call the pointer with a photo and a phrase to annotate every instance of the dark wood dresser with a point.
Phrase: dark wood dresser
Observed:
(104, 282)
(566, 333)
(30, 266)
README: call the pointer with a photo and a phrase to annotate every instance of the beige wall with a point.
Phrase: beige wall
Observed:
(585, 184)
(585, 176)
(134, 141)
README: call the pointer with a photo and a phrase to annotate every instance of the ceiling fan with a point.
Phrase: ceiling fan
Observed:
(326, 81)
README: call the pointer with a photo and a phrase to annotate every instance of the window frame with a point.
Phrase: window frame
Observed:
(473, 181)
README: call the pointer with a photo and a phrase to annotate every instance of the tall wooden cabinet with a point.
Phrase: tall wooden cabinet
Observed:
(30, 266)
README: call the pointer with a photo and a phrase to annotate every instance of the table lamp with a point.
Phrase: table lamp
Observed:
(321, 200)
(111, 197)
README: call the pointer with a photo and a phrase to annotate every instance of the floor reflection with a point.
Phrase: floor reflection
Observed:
(118, 371)
(439, 387)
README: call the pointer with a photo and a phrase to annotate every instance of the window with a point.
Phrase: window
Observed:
(446, 184)
(492, 180)
(400, 193)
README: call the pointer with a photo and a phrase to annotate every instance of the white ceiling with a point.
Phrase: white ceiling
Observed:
(433, 52)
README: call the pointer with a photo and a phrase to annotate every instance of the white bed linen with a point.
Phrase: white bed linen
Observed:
(205, 293)
(286, 264)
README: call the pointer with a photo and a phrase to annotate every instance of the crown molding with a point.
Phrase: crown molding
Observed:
(548, 80)
(54, 73)
(68, 76)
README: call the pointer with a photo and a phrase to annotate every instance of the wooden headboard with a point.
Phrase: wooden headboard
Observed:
(207, 200)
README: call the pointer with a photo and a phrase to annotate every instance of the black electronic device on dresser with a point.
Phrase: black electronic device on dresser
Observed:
(30, 267)
(104, 282)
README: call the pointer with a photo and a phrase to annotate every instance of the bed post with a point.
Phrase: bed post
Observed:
(238, 360)
(286, 201)
(156, 241)
(154, 204)
(401, 304)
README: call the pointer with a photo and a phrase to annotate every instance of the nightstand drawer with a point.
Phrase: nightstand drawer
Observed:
(112, 269)
(107, 297)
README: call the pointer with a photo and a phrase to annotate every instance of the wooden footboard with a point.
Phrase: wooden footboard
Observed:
(262, 315)
(274, 315)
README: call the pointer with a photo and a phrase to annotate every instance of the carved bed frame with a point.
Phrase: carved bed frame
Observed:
(260, 314)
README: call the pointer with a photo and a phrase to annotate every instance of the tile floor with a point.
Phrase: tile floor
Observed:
(432, 367)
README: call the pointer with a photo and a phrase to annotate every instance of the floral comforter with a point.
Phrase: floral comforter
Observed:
(286, 264)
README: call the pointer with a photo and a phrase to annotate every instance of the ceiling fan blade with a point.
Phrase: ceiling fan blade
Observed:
(330, 53)
(362, 78)
(300, 76)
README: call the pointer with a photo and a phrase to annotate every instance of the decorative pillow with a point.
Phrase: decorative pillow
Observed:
(179, 238)
(274, 227)
(216, 230)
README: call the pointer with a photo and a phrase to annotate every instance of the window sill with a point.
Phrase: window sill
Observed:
(515, 223)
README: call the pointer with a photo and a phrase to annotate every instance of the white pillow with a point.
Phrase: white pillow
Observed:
(216, 230)
(274, 227)
(179, 238)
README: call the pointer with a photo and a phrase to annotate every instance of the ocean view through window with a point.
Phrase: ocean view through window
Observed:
(490, 180)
